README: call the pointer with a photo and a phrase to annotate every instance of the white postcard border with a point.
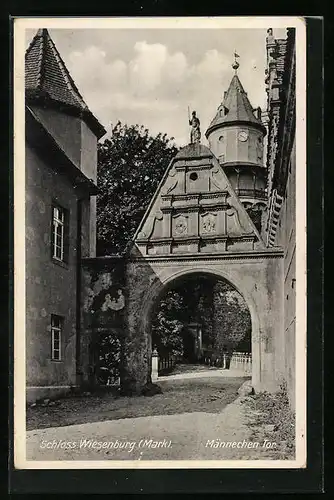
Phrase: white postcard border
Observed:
(20, 25)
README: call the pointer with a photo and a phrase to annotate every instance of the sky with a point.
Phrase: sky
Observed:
(151, 76)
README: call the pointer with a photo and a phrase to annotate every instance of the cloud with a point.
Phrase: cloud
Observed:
(122, 101)
(147, 66)
(153, 87)
(92, 70)
(143, 83)
(212, 64)
(176, 67)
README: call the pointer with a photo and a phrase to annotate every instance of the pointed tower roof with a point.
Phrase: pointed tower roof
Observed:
(235, 108)
(48, 79)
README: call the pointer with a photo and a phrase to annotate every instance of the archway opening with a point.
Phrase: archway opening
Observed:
(200, 319)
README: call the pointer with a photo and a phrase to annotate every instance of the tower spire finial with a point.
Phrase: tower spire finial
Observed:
(235, 64)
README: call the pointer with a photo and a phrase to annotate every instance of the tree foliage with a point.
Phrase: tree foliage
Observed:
(109, 357)
(168, 324)
(215, 305)
(130, 166)
(231, 320)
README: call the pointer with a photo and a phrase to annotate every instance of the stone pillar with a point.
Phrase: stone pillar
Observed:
(136, 369)
(155, 365)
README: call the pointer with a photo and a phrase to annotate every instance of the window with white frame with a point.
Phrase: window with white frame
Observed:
(58, 233)
(56, 337)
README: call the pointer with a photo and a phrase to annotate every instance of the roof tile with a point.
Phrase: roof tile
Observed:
(235, 107)
(46, 75)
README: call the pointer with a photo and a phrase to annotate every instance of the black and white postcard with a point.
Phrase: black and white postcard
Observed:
(160, 243)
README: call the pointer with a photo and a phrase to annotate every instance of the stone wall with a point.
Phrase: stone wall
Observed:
(286, 236)
(119, 297)
(50, 285)
(79, 144)
(281, 156)
(64, 128)
(225, 145)
(257, 278)
(103, 306)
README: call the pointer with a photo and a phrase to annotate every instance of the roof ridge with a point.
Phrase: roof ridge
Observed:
(38, 35)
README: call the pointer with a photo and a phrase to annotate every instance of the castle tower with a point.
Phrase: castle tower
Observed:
(236, 137)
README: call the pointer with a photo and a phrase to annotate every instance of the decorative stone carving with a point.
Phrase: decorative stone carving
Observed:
(150, 225)
(159, 215)
(234, 225)
(203, 214)
(215, 181)
(180, 224)
(172, 186)
(114, 304)
(209, 223)
(171, 181)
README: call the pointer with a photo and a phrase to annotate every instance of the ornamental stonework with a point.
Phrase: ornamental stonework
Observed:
(209, 223)
(181, 220)
(180, 225)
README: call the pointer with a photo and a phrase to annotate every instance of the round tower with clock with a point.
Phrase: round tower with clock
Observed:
(236, 136)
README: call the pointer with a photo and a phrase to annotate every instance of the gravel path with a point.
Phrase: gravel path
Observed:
(187, 393)
(185, 436)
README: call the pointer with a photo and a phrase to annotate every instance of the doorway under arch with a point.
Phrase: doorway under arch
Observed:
(199, 317)
(147, 282)
(256, 276)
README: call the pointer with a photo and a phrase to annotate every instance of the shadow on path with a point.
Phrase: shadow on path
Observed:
(185, 395)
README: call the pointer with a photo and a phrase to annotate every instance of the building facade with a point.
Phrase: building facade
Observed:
(227, 211)
(186, 228)
(236, 137)
(280, 225)
(61, 168)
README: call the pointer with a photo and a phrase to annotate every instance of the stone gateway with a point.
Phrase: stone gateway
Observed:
(218, 239)
(218, 212)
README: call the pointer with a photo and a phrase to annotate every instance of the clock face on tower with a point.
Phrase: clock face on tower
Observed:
(243, 135)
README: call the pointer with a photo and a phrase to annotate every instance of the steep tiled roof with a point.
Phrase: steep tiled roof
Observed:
(234, 108)
(46, 76)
